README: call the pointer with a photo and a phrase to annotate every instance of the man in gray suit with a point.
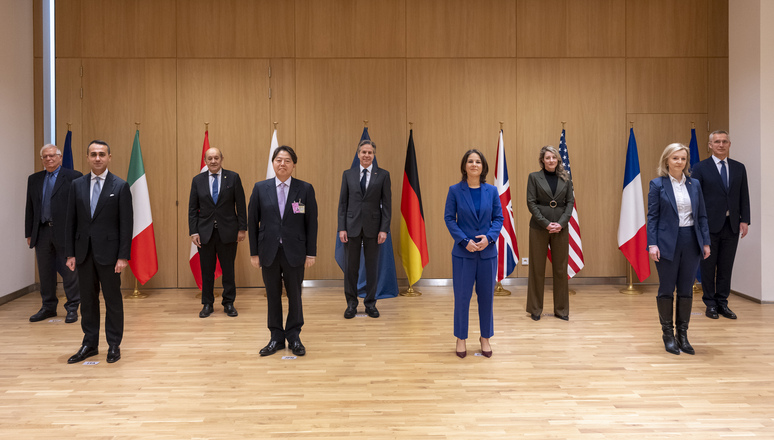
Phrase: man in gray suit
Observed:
(365, 207)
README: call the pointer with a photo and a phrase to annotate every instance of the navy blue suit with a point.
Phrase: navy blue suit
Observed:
(724, 229)
(465, 223)
(681, 249)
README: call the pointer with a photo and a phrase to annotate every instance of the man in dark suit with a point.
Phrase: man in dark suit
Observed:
(726, 196)
(365, 209)
(283, 242)
(99, 241)
(217, 221)
(44, 227)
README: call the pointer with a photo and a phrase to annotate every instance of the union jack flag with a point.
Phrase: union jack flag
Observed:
(507, 248)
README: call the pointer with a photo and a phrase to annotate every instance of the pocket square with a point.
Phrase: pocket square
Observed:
(112, 195)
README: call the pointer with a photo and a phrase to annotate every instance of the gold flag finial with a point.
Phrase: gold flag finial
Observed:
(275, 124)
(501, 125)
(411, 127)
(563, 122)
(365, 123)
(693, 124)
(206, 126)
(137, 125)
(68, 126)
(631, 124)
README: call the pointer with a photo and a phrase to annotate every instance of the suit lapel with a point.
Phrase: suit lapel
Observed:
(271, 194)
(666, 183)
(560, 184)
(541, 178)
(692, 193)
(59, 180)
(469, 199)
(716, 174)
(107, 189)
(292, 195)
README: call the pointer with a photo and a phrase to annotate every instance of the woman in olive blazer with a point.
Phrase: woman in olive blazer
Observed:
(550, 199)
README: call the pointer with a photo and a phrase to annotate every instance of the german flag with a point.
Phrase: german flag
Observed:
(413, 240)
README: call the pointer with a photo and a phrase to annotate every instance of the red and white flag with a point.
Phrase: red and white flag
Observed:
(632, 232)
(575, 261)
(193, 259)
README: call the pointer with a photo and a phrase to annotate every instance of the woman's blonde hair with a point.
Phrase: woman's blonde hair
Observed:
(663, 167)
(560, 171)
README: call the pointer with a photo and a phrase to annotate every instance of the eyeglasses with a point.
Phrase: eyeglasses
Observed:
(49, 156)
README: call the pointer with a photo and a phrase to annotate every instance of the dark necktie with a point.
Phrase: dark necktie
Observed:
(214, 188)
(363, 181)
(48, 188)
(723, 173)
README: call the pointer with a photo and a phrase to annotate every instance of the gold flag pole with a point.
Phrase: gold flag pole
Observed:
(68, 126)
(410, 292)
(630, 289)
(136, 294)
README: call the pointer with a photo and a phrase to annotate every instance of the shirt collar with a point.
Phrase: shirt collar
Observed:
(101, 176)
(287, 182)
(56, 171)
(680, 182)
(717, 161)
(370, 168)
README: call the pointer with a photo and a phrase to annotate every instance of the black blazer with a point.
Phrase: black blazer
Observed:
(539, 199)
(367, 213)
(230, 212)
(297, 229)
(110, 231)
(718, 200)
(58, 205)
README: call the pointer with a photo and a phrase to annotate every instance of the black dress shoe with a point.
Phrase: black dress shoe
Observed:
(272, 348)
(372, 312)
(712, 312)
(534, 317)
(206, 311)
(726, 312)
(42, 314)
(72, 316)
(230, 310)
(562, 317)
(84, 352)
(350, 312)
(297, 348)
(114, 354)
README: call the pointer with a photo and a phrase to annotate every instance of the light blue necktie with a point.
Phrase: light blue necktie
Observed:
(214, 188)
(723, 173)
(95, 195)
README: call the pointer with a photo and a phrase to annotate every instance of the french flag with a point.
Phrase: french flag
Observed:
(632, 235)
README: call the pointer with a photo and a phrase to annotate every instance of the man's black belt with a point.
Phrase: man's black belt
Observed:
(48, 223)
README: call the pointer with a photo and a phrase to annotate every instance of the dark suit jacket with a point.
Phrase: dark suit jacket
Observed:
(110, 231)
(298, 230)
(58, 205)
(367, 214)
(463, 221)
(230, 211)
(539, 197)
(718, 199)
(664, 221)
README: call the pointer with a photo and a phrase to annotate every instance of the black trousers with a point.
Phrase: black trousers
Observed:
(51, 260)
(371, 253)
(679, 273)
(716, 270)
(209, 253)
(273, 276)
(91, 276)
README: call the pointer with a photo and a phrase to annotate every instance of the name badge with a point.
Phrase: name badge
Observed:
(299, 208)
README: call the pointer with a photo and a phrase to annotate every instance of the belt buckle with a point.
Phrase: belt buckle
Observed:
(552, 203)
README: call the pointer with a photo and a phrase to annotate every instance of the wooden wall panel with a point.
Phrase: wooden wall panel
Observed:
(589, 95)
(456, 105)
(333, 97)
(283, 101)
(717, 28)
(571, 28)
(37, 30)
(68, 28)
(235, 28)
(350, 28)
(116, 94)
(128, 28)
(69, 109)
(717, 94)
(461, 28)
(666, 28)
(653, 133)
(232, 95)
(37, 70)
(666, 85)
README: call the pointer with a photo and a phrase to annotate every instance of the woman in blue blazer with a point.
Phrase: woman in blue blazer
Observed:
(678, 235)
(474, 217)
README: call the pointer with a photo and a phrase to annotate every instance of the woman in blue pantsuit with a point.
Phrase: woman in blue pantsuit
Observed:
(678, 235)
(474, 217)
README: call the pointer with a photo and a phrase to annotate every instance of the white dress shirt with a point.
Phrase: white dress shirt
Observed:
(683, 199)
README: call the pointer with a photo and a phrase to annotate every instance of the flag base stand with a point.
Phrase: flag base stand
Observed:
(499, 291)
(410, 292)
(136, 294)
(572, 292)
(697, 288)
(630, 289)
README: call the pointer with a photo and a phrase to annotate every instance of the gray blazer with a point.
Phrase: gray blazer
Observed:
(539, 197)
(368, 213)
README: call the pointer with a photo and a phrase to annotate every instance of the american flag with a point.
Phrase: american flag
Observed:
(575, 262)
(507, 248)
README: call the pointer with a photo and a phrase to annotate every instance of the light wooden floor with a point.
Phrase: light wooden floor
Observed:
(602, 375)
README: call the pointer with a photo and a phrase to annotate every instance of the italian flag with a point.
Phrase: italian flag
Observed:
(144, 262)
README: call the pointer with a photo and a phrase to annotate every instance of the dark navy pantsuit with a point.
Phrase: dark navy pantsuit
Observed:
(680, 272)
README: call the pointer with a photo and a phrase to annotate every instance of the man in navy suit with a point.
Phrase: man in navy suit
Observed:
(99, 241)
(726, 196)
(44, 227)
(217, 221)
(282, 222)
(365, 208)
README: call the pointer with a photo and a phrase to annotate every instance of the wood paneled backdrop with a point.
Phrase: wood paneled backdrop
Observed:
(454, 68)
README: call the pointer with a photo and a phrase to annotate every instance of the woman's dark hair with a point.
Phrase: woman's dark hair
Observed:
(484, 165)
